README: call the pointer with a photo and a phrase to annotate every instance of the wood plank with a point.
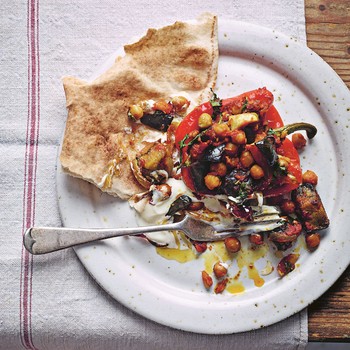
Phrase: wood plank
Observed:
(329, 316)
(328, 34)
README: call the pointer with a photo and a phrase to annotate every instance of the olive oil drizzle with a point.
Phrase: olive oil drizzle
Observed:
(113, 169)
(216, 252)
(182, 253)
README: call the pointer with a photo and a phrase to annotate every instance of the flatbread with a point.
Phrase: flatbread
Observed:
(100, 141)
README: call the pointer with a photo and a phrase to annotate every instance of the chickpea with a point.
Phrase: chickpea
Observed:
(232, 244)
(257, 172)
(136, 111)
(219, 169)
(205, 121)
(231, 149)
(194, 206)
(163, 106)
(310, 177)
(221, 130)
(212, 181)
(256, 238)
(246, 159)
(287, 206)
(238, 137)
(179, 103)
(298, 140)
(312, 241)
(220, 270)
(232, 162)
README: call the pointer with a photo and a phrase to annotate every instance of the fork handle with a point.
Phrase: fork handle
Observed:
(42, 240)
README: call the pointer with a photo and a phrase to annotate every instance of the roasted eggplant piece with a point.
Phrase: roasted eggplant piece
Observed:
(198, 170)
(153, 165)
(157, 120)
(238, 184)
(268, 149)
(213, 154)
(179, 204)
(309, 208)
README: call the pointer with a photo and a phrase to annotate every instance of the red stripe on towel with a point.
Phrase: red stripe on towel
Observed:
(30, 168)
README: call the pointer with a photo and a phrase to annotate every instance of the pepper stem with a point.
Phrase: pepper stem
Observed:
(283, 131)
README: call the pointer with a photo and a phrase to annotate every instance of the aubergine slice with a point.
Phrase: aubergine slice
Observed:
(179, 204)
(268, 148)
(309, 208)
(157, 120)
(198, 170)
(213, 154)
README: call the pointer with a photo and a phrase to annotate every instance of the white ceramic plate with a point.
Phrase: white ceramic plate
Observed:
(171, 293)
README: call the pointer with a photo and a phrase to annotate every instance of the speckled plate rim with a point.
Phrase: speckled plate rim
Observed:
(222, 314)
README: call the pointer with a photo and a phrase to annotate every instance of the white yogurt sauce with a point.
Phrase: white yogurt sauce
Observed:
(153, 214)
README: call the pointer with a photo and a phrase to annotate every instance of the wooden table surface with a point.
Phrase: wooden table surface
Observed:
(328, 34)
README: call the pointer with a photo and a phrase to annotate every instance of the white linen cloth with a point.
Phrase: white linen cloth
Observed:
(51, 302)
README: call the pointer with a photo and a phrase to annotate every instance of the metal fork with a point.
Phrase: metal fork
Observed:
(42, 240)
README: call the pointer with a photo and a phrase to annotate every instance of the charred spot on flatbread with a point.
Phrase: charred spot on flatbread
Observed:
(100, 141)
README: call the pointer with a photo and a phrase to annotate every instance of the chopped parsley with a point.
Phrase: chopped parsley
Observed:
(243, 191)
(245, 105)
(190, 143)
(183, 144)
(216, 103)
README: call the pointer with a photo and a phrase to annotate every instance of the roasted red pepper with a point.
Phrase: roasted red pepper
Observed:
(256, 100)
(190, 122)
(273, 120)
(291, 182)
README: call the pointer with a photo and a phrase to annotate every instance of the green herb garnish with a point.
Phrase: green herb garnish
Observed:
(243, 191)
(216, 103)
(190, 143)
(183, 144)
(245, 105)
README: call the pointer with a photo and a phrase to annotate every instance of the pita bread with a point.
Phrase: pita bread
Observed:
(100, 140)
